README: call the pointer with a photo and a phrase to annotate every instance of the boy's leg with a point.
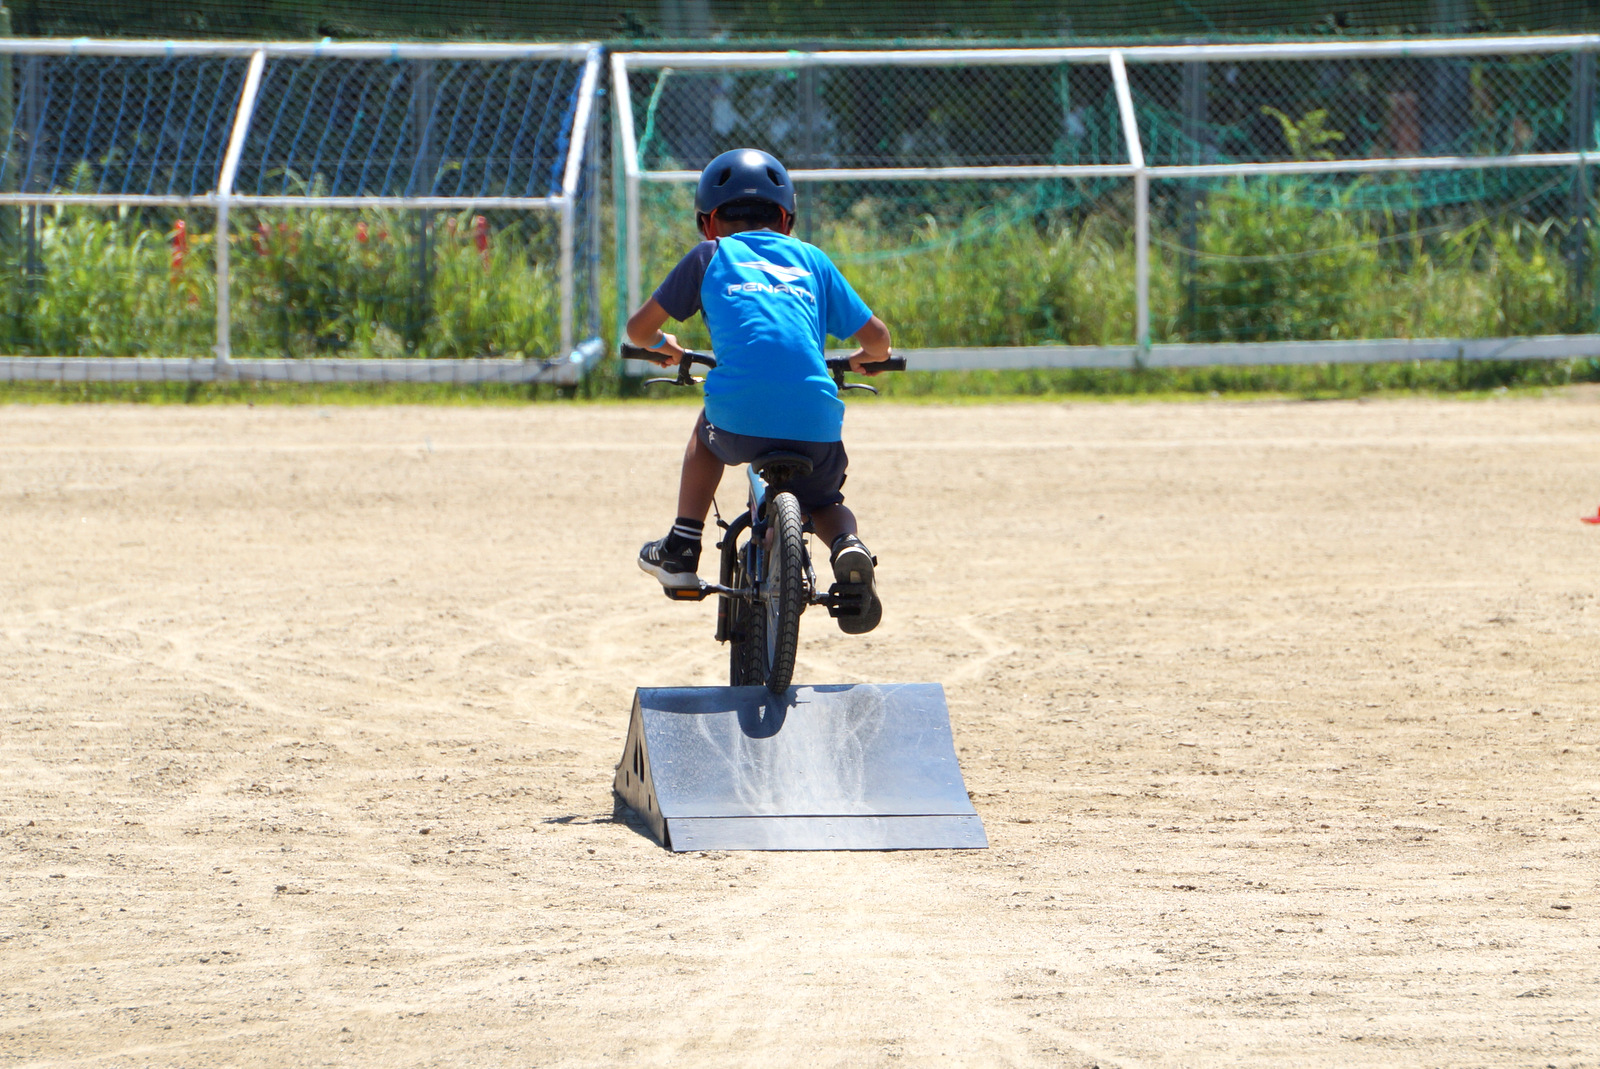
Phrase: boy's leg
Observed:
(675, 559)
(831, 521)
(702, 473)
(852, 565)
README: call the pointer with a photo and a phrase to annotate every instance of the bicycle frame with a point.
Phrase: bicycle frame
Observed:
(753, 518)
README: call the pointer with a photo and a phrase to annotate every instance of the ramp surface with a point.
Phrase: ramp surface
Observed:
(858, 767)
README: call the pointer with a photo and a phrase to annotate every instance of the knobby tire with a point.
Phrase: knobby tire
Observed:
(783, 590)
(747, 631)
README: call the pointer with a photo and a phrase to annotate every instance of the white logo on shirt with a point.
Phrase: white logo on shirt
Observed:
(777, 271)
(770, 287)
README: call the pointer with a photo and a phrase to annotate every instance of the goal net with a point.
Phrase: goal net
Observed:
(300, 211)
(1314, 202)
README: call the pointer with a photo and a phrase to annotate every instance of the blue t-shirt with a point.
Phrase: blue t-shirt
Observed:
(769, 300)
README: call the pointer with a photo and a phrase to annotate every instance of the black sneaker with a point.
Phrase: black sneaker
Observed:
(675, 570)
(854, 580)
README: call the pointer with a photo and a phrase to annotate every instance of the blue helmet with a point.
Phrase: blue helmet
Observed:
(744, 174)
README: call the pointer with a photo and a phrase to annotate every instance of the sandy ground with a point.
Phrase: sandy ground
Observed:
(1282, 719)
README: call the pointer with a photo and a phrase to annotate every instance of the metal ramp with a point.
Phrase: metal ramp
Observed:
(858, 767)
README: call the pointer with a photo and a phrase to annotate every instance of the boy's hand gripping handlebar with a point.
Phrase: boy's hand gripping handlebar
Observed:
(837, 366)
(685, 366)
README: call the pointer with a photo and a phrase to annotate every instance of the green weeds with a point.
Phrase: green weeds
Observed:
(1258, 261)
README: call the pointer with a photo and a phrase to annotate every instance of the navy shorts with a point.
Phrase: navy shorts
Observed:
(828, 461)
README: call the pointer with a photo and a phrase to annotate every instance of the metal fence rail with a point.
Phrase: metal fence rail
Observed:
(402, 133)
(1152, 139)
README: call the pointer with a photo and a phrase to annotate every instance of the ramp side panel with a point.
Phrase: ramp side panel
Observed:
(633, 780)
(827, 833)
(860, 750)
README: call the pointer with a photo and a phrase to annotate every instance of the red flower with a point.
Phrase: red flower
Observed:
(180, 247)
(480, 237)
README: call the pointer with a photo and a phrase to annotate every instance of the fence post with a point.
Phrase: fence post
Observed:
(592, 170)
(1196, 114)
(571, 187)
(1582, 139)
(31, 268)
(8, 118)
(628, 210)
(808, 138)
(568, 234)
(619, 229)
(426, 168)
(225, 181)
(1141, 211)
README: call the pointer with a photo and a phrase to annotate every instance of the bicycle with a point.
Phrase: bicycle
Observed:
(765, 580)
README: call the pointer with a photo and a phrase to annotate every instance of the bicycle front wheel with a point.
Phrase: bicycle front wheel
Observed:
(782, 587)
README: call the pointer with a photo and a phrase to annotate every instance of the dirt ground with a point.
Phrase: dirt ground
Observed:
(1282, 719)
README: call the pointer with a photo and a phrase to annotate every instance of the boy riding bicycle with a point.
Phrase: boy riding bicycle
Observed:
(769, 301)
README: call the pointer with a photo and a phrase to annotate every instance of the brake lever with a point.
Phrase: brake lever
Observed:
(683, 378)
(857, 386)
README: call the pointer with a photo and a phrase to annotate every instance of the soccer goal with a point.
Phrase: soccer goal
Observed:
(302, 212)
(1338, 202)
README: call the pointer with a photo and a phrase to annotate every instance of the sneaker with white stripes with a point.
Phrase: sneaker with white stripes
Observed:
(675, 570)
(853, 573)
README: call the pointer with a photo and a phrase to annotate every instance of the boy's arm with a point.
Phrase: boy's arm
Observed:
(644, 330)
(873, 338)
(678, 297)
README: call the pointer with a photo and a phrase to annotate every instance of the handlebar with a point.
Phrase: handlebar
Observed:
(639, 352)
(685, 366)
(837, 366)
(842, 363)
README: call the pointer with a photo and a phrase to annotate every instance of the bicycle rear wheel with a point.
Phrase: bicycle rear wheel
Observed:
(747, 632)
(765, 651)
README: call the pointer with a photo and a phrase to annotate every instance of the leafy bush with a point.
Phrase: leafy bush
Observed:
(307, 283)
(1275, 260)
(1277, 264)
(106, 284)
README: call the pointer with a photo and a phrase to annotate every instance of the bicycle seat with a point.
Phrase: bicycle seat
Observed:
(780, 467)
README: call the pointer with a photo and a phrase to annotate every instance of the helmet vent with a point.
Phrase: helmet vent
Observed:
(723, 176)
(777, 180)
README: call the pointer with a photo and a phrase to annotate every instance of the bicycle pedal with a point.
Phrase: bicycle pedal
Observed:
(685, 593)
(847, 599)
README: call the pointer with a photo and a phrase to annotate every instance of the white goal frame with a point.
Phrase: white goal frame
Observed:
(567, 367)
(1141, 353)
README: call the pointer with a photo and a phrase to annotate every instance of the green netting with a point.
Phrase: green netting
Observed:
(796, 20)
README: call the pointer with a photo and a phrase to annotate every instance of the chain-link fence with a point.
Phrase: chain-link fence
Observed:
(1379, 200)
(1425, 196)
(303, 212)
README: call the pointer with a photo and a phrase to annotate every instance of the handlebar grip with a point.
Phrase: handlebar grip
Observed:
(894, 363)
(639, 352)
